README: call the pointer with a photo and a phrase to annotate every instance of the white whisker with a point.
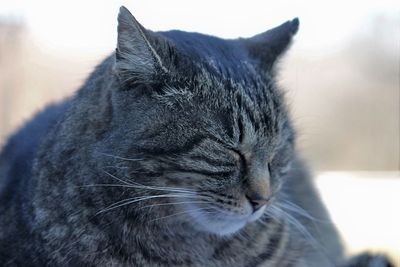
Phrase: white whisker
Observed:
(141, 186)
(180, 213)
(176, 203)
(116, 178)
(137, 199)
(118, 157)
(297, 209)
(294, 222)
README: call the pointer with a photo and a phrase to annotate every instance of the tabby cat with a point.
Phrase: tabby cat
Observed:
(177, 151)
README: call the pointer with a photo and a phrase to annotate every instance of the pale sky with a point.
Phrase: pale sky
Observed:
(90, 26)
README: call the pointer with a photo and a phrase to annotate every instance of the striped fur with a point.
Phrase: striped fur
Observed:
(156, 161)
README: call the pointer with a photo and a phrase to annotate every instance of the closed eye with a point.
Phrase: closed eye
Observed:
(241, 130)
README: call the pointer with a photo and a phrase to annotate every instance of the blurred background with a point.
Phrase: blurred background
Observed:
(341, 77)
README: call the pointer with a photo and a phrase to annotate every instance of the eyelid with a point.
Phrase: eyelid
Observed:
(269, 167)
(241, 130)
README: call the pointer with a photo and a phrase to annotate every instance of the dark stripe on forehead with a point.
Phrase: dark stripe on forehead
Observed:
(249, 111)
(189, 146)
(212, 162)
(205, 172)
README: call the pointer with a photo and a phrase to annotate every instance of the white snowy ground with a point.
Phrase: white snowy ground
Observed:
(365, 206)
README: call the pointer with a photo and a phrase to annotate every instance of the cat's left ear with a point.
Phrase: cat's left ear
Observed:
(136, 57)
(268, 46)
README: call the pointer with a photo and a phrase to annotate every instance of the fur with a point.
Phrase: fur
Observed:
(177, 151)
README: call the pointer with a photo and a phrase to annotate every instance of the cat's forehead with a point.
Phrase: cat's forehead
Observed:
(225, 58)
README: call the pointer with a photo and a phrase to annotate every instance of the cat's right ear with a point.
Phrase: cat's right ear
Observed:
(136, 59)
(269, 46)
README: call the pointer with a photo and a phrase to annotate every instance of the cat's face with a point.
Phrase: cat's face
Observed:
(210, 149)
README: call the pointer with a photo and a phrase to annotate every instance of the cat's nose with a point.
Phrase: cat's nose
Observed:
(257, 201)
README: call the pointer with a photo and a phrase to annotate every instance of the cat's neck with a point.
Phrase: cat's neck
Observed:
(183, 244)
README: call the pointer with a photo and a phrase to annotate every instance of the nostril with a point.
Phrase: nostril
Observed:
(257, 202)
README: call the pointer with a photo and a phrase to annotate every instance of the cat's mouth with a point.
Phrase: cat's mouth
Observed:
(223, 222)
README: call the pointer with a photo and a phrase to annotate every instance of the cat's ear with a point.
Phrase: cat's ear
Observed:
(136, 58)
(268, 46)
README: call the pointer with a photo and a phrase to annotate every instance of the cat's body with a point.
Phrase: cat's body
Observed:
(22, 246)
(192, 131)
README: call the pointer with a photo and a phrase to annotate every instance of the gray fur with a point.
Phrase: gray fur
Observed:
(155, 159)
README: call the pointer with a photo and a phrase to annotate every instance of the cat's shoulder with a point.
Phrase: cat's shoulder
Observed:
(17, 155)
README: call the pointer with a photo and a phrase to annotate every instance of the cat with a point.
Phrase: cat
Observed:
(177, 151)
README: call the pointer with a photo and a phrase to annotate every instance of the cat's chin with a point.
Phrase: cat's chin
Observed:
(221, 224)
(221, 227)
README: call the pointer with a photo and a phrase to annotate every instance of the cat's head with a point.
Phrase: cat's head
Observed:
(199, 127)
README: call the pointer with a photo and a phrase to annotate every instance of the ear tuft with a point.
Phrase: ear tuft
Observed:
(267, 47)
(136, 59)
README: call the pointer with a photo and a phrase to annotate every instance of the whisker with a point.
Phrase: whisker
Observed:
(136, 199)
(116, 178)
(176, 203)
(105, 185)
(299, 210)
(303, 230)
(138, 187)
(270, 215)
(141, 186)
(180, 213)
(294, 222)
(163, 187)
(118, 157)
